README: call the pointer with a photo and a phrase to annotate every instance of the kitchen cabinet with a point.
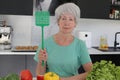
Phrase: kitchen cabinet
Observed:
(93, 9)
(115, 58)
(16, 7)
(14, 62)
(96, 9)
(11, 64)
(31, 64)
(17, 61)
(99, 9)
(97, 55)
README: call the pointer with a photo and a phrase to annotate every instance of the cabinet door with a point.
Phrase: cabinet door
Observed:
(16, 7)
(98, 9)
(11, 64)
(110, 57)
(31, 64)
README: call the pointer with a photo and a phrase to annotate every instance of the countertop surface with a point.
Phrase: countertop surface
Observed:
(98, 52)
(9, 52)
(92, 51)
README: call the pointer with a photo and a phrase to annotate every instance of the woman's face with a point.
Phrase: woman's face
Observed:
(66, 23)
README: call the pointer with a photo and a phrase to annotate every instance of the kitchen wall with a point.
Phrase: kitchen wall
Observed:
(98, 27)
(21, 25)
(26, 33)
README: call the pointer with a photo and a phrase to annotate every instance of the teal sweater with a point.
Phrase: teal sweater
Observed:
(65, 60)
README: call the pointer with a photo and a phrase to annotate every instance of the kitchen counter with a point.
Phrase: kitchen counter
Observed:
(25, 60)
(92, 51)
(9, 52)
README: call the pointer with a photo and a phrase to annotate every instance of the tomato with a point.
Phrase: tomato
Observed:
(26, 75)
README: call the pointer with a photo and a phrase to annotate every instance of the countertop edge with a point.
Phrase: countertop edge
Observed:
(92, 51)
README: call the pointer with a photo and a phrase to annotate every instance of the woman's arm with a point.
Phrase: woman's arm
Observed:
(87, 67)
(41, 68)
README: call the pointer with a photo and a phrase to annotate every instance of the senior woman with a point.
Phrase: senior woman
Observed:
(64, 53)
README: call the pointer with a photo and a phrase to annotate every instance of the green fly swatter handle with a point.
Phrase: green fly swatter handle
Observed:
(42, 42)
(42, 37)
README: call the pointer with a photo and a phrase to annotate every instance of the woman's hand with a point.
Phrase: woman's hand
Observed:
(42, 56)
(41, 66)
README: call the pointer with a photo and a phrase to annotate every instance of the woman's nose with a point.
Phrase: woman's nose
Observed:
(67, 21)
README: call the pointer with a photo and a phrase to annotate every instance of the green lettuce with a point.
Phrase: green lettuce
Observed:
(104, 70)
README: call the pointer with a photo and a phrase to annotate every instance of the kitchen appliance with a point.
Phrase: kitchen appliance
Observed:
(5, 36)
(85, 36)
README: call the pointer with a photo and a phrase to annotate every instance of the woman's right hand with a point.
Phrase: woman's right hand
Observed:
(42, 56)
(41, 66)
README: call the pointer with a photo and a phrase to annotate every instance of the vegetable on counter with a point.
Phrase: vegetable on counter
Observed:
(51, 76)
(104, 70)
(2, 78)
(117, 72)
(11, 76)
(26, 75)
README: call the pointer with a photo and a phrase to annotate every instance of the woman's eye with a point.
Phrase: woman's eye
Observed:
(63, 19)
(71, 19)
(68, 19)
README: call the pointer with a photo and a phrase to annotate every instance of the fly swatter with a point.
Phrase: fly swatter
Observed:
(42, 19)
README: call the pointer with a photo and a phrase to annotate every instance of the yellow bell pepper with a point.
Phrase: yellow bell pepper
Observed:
(51, 76)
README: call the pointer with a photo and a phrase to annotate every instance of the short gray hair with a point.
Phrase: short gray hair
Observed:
(68, 8)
